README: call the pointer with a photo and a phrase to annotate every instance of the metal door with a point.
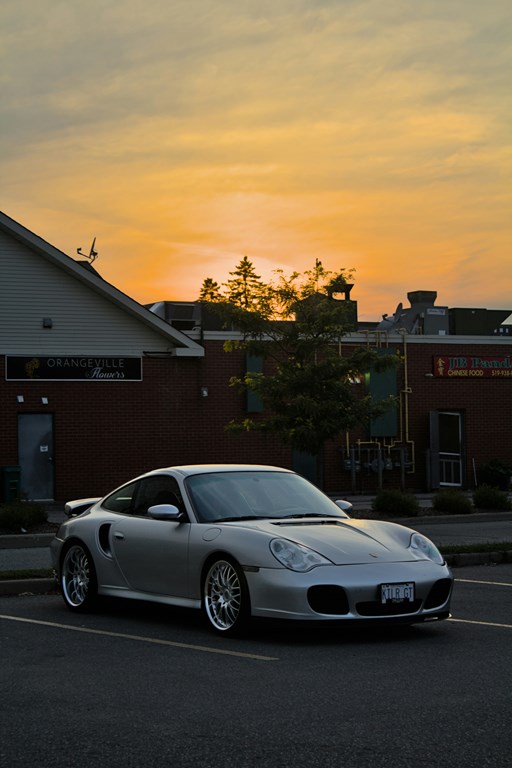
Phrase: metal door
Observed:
(307, 465)
(152, 554)
(35, 450)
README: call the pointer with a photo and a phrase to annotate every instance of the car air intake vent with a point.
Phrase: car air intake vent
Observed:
(328, 599)
(374, 608)
(439, 593)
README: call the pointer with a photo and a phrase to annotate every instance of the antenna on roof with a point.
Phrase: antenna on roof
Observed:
(92, 255)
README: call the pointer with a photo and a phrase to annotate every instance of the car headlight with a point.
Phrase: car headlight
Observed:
(424, 548)
(295, 556)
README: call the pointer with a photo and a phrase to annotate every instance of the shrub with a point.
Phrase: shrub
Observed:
(452, 502)
(489, 497)
(496, 474)
(396, 504)
(21, 515)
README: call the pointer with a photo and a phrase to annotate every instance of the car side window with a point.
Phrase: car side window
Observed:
(157, 489)
(122, 500)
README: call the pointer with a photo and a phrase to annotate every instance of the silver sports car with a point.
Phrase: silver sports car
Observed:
(240, 541)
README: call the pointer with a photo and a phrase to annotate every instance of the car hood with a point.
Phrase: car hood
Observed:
(343, 541)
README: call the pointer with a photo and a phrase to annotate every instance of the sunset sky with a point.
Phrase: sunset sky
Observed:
(185, 134)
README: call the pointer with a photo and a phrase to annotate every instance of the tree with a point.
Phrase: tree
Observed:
(297, 325)
(245, 288)
(210, 290)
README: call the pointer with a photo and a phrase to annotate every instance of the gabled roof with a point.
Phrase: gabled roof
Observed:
(182, 345)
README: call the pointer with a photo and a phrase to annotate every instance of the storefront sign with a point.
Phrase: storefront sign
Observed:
(73, 368)
(472, 367)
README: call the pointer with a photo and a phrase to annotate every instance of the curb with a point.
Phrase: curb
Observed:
(25, 540)
(27, 587)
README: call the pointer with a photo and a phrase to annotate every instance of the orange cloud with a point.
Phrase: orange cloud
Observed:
(368, 135)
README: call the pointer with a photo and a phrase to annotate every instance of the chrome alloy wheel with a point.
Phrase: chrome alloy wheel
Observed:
(225, 600)
(77, 577)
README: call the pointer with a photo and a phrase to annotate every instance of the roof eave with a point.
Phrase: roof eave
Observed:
(183, 346)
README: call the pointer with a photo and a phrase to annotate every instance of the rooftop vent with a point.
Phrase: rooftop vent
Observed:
(421, 317)
(182, 315)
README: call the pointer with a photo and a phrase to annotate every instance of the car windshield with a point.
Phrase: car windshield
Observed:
(252, 495)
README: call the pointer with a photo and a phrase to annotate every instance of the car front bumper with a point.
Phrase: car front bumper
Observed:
(350, 593)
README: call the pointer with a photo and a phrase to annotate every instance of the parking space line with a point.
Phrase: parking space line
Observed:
(481, 623)
(493, 583)
(141, 638)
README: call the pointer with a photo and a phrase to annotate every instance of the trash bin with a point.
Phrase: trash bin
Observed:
(9, 484)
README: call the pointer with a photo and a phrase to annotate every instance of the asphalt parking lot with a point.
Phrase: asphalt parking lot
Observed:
(137, 684)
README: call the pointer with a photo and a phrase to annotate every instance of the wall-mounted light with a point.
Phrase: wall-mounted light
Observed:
(44, 401)
(20, 398)
(47, 322)
(204, 391)
(429, 375)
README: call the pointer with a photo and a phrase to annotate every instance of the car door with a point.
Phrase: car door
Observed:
(152, 554)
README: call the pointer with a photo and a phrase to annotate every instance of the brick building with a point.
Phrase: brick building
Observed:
(95, 388)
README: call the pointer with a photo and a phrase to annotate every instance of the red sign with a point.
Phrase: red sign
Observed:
(472, 367)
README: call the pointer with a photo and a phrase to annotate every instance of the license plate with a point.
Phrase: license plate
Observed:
(397, 593)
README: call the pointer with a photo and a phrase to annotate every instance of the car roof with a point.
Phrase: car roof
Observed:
(201, 469)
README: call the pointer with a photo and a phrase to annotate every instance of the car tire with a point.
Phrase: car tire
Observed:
(226, 602)
(78, 580)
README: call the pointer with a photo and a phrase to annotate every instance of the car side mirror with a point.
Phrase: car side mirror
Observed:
(345, 506)
(165, 512)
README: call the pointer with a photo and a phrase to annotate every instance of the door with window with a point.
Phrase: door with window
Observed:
(35, 455)
(446, 449)
(133, 534)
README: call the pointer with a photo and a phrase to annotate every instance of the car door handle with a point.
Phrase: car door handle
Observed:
(118, 535)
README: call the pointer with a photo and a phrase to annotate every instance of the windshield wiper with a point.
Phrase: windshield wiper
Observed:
(295, 516)
(241, 517)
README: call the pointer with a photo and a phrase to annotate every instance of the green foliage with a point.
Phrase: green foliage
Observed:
(21, 515)
(395, 504)
(495, 473)
(308, 403)
(490, 497)
(452, 502)
(296, 325)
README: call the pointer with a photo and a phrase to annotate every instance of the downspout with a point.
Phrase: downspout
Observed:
(406, 391)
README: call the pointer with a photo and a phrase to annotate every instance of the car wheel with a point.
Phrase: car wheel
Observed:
(226, 597)
(78, 578)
